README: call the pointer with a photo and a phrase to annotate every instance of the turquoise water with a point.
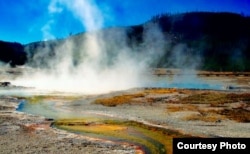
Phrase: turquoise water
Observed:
(188, 82)
(45, 108)
(41, 108)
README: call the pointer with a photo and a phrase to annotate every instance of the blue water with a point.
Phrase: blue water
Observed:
(193, 86)
(43, 108)
(21, 105)
(184, 83)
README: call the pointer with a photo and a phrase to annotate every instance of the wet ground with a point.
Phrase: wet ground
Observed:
(202, 113)
(135, 117)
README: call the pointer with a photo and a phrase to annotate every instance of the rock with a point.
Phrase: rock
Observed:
(5, 84)
(230, 87)
(49, 119)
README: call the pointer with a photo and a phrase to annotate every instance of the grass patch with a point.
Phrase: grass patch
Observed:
(208, 117)
(213, 99)
(118, 100)
(160, 90)
(239, 115)
(131, 98)
(181, 107)
(204, 98)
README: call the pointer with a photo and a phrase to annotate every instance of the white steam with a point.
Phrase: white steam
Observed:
(96, 62)
(100, 61)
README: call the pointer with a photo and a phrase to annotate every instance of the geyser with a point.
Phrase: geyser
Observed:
(101, 61)
(95, 62)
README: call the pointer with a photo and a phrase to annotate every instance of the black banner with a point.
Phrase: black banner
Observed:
(211, 145)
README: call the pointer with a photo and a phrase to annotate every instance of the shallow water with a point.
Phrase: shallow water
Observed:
(189, 82)
(44, 108)
(130, 132)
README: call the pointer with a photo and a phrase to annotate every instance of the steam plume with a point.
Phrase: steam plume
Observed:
(101, 61)
(97, 62)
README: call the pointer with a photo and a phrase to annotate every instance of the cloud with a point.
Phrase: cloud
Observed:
(86, 11)
(46, 31)
(54, 7)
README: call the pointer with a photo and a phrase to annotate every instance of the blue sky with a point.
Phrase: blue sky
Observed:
(27, 21)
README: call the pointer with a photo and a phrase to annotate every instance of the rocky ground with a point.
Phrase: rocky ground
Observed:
(23, 133)
(163, 108)
(205, 113)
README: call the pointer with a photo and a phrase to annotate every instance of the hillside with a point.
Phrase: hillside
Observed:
(12, 53)
(200, 40)
(221, 39)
